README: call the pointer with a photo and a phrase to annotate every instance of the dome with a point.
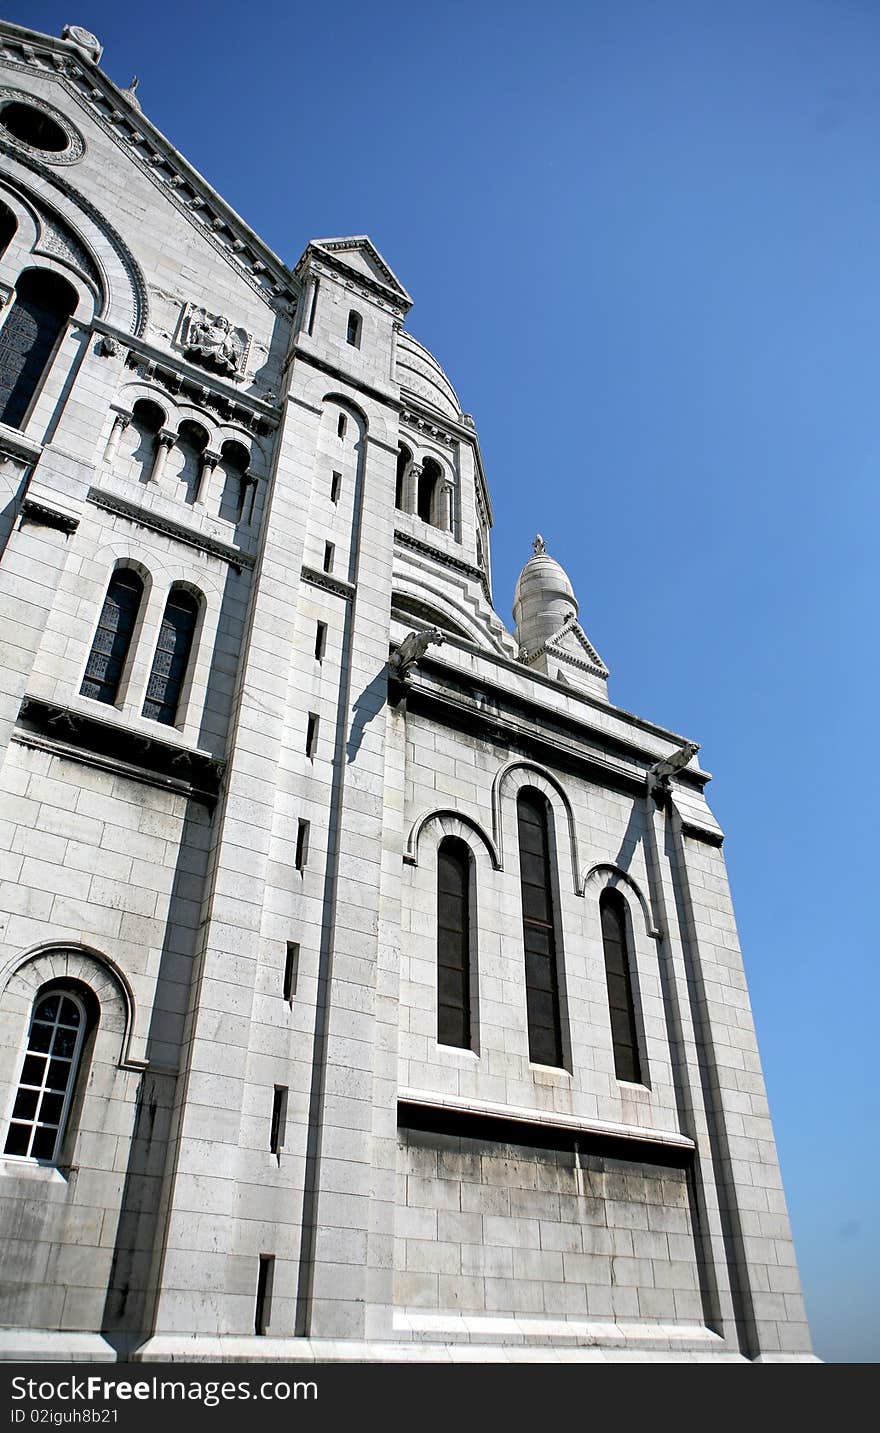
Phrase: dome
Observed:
(543, 599)
(419, 373)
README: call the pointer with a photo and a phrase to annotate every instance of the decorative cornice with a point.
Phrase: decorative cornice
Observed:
(146, 517)
(177, 377)
(328, 582)
(428, 426)
(67, 732)
(44, 516)
(456, 564)
(111, 108)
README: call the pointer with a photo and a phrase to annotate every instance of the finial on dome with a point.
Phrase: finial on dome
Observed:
(539, 545)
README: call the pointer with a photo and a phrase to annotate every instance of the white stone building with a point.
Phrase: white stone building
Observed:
(362, 994)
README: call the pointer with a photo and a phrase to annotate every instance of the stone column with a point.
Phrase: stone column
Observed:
(121, 421)
(444, 505)
(411, 487)
(207, 464)
(164, 442)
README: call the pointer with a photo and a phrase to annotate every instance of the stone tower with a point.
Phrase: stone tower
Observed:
(369, 982)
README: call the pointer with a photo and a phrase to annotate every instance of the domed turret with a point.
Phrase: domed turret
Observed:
(543, 599)
(551, 640)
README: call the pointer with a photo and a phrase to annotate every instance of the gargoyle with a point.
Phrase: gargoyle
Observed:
(413, 646)
(662, 770)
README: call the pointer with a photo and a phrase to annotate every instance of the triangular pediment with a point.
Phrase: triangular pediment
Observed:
(573, 645)
(360, 254)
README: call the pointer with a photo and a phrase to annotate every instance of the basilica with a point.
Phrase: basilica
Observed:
(369, 982)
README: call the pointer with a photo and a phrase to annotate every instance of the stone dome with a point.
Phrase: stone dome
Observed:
(419, 373)
(542, 600)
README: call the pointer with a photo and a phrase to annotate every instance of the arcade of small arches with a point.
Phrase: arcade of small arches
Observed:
(425, 490)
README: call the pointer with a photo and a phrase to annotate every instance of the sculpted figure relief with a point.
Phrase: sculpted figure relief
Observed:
(213, 341)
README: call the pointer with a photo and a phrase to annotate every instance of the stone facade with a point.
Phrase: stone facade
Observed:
(265, 1151)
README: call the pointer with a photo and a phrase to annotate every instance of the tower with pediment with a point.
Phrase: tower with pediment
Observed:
(369, 981)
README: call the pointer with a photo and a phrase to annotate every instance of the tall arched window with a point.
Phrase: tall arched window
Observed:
(28, 338)
(113, 637)
(234, 463)
(404, 458)
(539, 932)
(453, 944)
(353, 331)
(8, 226)
(172, 657)
(48, 1076)
(427, 494)
(624, 1036)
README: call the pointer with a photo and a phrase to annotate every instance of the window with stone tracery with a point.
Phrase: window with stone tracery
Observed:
(104, 669)
(29, 338)
(171, 658)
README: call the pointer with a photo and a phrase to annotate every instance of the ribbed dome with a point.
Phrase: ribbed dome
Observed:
(543, 598)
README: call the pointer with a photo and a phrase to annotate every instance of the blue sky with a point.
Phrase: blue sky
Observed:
(644, 240)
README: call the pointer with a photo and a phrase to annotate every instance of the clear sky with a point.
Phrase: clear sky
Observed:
(643, 237)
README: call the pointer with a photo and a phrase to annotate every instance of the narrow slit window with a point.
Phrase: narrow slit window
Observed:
(312, 725)
(320, 640)
(112, 640)
(618, 975)
(329, 554)
(172, 657)
(48, 1076)
(278, 1127)
(341, 426)
(453, 944)
(314, 307)
(302, 845)
(265, 1280)
(539, 937)
(291, 971)
(335, 487)
(353, 331)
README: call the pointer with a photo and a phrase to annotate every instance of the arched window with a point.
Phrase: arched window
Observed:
(48, 1076)
(427, 494)
(184, 465)
(172, 657)
(612, 908)
(404, 458)
(353, 332)
(113, 637)
(28, 338)
(234, 463)
(8, 226)
(141, 438)
(453, 944)
(539, 933)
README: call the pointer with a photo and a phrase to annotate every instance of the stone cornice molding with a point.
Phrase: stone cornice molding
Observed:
(43, 515)
(68, 732)
(427, 426)
(155, 522)
(329, 583)
(111, 108)
(178, 378)
(446, 559)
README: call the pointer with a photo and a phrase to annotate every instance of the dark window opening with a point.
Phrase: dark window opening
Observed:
(335, 487)
(320, 640)
(8, 226)
(329, 552)
(112, 640)
(312, 725)
(427, 493)
(291, 971)
(28, 339)
(278, 1127)
(302, 845)
(453, 944)
(618, 975)
(172, 657)
(341, 426)
(539, 937)
(265, 1280)
(30, 125)
(353, 331)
